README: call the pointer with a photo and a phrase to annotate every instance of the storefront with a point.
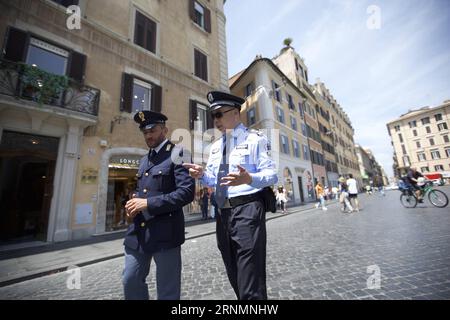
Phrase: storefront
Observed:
(122, 183)
(27, 168)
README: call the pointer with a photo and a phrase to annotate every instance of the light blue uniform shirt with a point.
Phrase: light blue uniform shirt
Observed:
(250, 150)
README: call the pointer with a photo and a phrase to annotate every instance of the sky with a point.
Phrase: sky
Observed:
(379, 59)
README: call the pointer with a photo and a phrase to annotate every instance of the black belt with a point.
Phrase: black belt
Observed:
(240, 200)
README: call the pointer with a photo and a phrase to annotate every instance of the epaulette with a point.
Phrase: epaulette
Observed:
(258, 132)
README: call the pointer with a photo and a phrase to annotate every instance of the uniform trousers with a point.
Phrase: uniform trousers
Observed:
(241, 239)
(168, 274)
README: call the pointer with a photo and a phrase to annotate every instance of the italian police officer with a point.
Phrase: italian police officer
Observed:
(239, 166)
(157, 231)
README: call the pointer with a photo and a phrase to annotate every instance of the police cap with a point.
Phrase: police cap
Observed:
(218, 99)
(149, 119)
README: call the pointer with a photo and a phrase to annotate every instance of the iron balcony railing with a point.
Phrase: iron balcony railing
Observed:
(15, 82)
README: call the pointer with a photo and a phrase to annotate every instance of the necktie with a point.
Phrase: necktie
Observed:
(152, 155)
(222, 191)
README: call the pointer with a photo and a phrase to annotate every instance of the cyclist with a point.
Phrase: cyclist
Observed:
(414, 178)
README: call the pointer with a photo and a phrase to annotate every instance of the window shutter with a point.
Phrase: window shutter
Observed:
(156, 98)
(151, 35)
(126, 101)
(204, 68)
(139, 31)
(16, 45)
(192, 113)
(192, 9)
(77, 66)
(207, 20)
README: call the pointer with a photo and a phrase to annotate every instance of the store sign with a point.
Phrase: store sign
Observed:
(126, 162)
(89, 176)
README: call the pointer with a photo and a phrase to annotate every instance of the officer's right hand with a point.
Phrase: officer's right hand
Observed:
(195, 170)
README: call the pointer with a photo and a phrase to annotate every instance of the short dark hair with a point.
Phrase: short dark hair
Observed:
(350, 176)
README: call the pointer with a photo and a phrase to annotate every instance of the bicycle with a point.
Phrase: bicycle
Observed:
(436, 197)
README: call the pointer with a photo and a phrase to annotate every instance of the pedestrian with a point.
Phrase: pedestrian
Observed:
(353, 191)
(157, 231)
(214, 204)
(204, 203)
(320, 192)
(281, 197)
(343, 197)
(240, 167)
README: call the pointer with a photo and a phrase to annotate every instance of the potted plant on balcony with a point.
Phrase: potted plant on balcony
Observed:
(41, 86)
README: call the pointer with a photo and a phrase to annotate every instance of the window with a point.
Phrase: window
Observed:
(418, 144)
(438, 117)
(290, 102)
(421, 156)
(415, 133)
(442, 126)
(305, 152)
(397, 128)
(200, 65)
(200, 15)
(304, 130)
(439, 167)
(400, 137)
(200, 118)
(280, 114)
(425, 120)
(249, 89)
(406, 161)
(431, 141)
(138, 95)
(67, 3)
(435, 154)
(276, 91)
(145, 32)
(425, 169)
(284, 142)
(47, 57)
(301, 110)
(251, 117)
(428, 129)
(142, 92)
(296, 149)
(447, 153)
(412, 124)
(404, 149)
(294, 123)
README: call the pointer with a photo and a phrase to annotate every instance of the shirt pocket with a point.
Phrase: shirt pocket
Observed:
(163, 178)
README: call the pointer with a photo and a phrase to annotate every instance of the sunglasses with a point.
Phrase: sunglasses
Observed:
(219, 114)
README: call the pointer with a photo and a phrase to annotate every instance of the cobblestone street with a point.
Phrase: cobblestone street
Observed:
(310, 255)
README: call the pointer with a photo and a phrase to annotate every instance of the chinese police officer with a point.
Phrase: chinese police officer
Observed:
(157, 231)
(239, 166)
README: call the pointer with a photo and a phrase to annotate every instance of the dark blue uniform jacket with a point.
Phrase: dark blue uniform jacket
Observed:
(167, 187)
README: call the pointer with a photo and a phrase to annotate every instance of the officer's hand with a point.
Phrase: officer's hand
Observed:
(237, 178)
(195, 171)
(134, 206)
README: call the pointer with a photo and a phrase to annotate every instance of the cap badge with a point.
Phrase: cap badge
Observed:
(142, 116)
